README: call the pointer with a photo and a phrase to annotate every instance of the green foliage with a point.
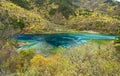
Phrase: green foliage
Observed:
(117, 44)
(23, 3)
(52, 11)
(65, 7)
(118, 40)
(18, 24)
(66, 11)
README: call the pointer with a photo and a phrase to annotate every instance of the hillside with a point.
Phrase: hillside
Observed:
(39, 16)
(33, 32)
(14, 19)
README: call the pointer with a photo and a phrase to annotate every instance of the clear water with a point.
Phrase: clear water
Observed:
(50, 41)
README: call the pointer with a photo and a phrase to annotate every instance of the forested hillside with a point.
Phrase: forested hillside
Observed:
(76, 14)
(54, 15)
(96, 58)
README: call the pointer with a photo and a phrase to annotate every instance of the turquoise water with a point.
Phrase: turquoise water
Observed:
(50, 41)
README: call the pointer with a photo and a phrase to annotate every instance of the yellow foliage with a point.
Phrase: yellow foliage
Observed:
(9, 5)
(42, 61)
(56, 65)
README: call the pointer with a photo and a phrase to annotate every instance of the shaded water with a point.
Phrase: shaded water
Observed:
(49, 41)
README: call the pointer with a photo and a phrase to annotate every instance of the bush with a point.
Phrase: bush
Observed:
(88, 60)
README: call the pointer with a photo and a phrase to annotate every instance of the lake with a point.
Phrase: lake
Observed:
(51, 41)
